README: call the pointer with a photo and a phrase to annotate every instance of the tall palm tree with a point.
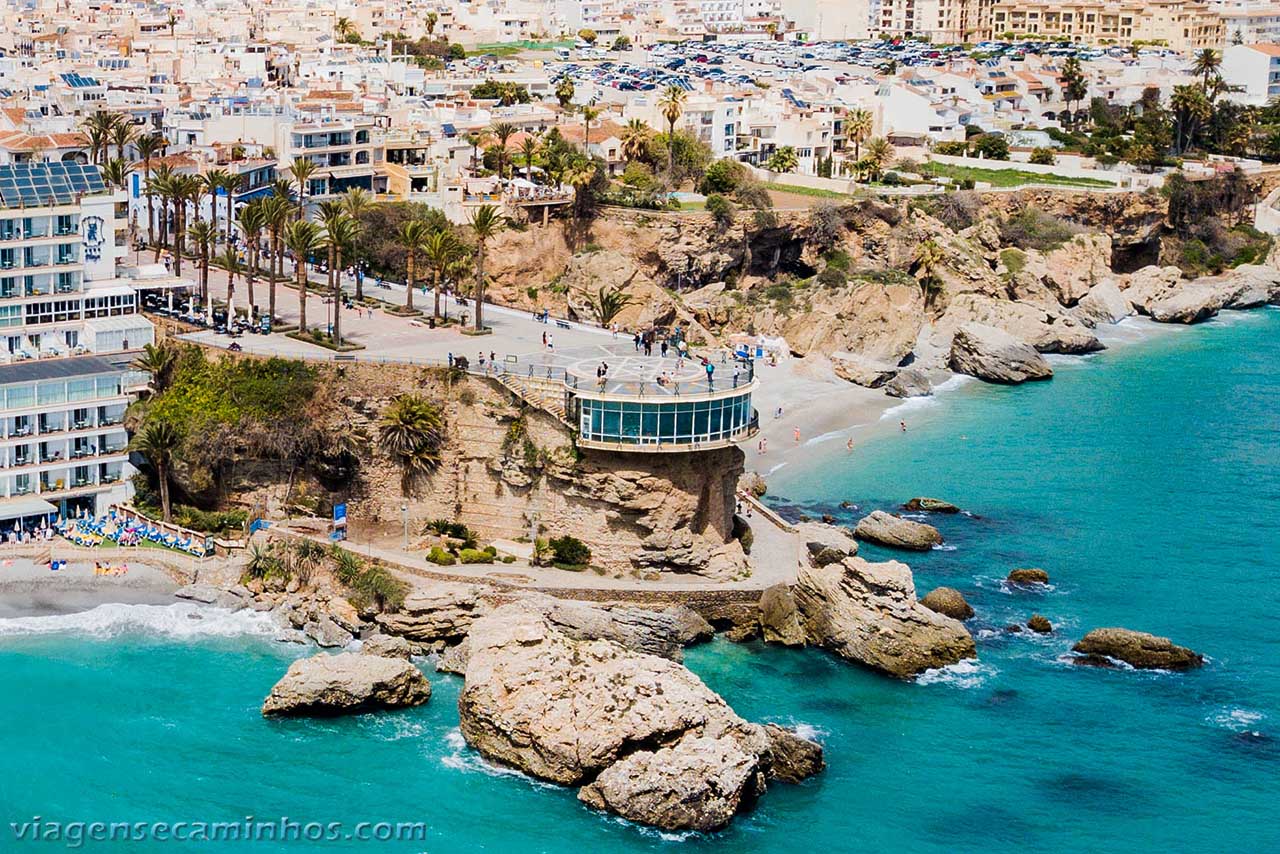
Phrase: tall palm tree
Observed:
(341, 235)
(486, 223)
(1205, 66)
(330, 212)
(186, 190)
(635, 139)
(277, 211)
(474, 140)
(927, 266)
(204, 235)
(231, 262)
(98, 128)
(879, 155)
(158, 441)
(148, 147)
(439, 250)
(431, 18)
(344, 28)
(213, 182)
(412, 432)
(672, 104)
(529, 147)
(304, 239)
(1190, 109)
(589, 115)
(161, 184)
(858, 127)
(157, 360)
(230, 184)
(252, 219)
(502, 132)
(302, 169)
(411, 237)
(564, 92)
(123, 134)
(356, 202)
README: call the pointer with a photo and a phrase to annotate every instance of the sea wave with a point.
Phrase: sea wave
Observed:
(969, 673)
(179, 621)
(1237, 719)
(1066, 359)
(462, 758)
(912, 404)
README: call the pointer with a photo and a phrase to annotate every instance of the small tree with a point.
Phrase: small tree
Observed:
(157, 441)
(608, 303)
(1043, 157)
(721, 210)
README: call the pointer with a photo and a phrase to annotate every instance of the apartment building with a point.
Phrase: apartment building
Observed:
(65, 323)
(1182, 26)
(1250, 22)
(940, 21)
(1255, 69)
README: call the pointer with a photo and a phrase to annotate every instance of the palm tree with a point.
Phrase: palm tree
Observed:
(252, 219)
(302, 169)
(123, 134)
(204, 235)
(330, 212)
(276, 211)
(672, 104)
(879, 155)
(858, 127)
(411, 432)
(635, 139)
(231, 262)
(304, 239)
(344, 28)
(117, 172)
(783, 160)
(230, 184)
(928, 262)
(161, 184)
(528, 151)
(502, 132)
(99, 127)
(341, 236)
(158, 361)
(186, 189)
(608, 303)
(411, 237)
(357, 202)
(1190, 108)
(474, 139)
(213, 181)
(431, 18)
(1205, 66)
(486, 223)
(148, 147)
(157, 441)
(589, 115)
(439, 250)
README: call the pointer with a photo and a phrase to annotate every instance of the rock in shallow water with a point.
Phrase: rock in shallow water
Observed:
(1028, 576)
(1137, 649)
(868, 613)
(930, 505)
(897, 533)
(345, 684)
(1040, 624)
(949, 602)
(996, 356)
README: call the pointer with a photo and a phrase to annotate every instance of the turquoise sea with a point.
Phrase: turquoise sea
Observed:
(1146, 480)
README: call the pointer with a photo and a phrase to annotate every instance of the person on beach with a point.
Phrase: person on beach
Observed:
(763, 447)
(778, 412)
(903, 425)
(849, 444)
(795, 431)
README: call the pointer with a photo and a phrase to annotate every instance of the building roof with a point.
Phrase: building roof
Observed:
(37, 184)
(54, 369)
(1268, 49)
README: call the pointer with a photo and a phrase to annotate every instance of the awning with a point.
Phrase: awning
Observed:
(27, 505)
(256, 193)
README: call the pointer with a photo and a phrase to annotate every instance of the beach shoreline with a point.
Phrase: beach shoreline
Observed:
(28, 589)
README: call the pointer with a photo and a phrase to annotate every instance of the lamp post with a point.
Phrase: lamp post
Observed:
(404, 518)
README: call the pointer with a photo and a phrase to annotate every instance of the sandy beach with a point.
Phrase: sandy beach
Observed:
(28, 589)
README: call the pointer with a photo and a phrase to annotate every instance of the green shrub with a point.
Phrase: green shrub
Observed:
(1032, 228)
(474, 556)
(217, 522)
(508, 558)
(832, 277)
(440, 557)
(1043, 157)
(1014, 260)
(570, 551)
(721, 209)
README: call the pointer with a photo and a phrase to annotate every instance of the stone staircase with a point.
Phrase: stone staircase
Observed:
(545, 393)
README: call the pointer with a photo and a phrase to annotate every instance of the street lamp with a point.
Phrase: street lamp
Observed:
(404, 517)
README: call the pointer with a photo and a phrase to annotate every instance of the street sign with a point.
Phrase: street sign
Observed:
(340, 515)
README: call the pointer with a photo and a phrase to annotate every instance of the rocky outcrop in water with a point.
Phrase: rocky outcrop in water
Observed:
(996, 356)
(930, 505)
(1027, 576)
(1137, 649)
(779, 617)
(1104, 304)
(1040, 624)
(642, 733)
(347, 683)
(949, 602)
(895, 532)
(868, 613)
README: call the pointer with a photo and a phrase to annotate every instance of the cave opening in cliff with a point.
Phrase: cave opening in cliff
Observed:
(776, 251)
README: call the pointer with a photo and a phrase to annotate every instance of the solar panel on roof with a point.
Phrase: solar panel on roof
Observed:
(36, 184)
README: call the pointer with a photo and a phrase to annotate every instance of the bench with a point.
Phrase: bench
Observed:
(563, 324)
(343, 357)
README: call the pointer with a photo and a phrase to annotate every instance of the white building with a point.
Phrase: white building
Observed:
(1255, 68)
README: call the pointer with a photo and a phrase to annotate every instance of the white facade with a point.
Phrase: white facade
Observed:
(1255, 68)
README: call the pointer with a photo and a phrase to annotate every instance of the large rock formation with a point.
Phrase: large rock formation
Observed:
(346, 684)
(779, 617)
(996, 356)
(1104, 304)
(868, 613)
(1047, 329)
(1137, 649)
(897, 533)
(644, 735)
(437, 613)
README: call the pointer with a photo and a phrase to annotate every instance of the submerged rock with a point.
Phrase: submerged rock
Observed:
(949, 602)
(1137, 649)
(868, 613)
(345, 684)
(896, 532)
(1028, 576)
(994, 355)
(930, 505)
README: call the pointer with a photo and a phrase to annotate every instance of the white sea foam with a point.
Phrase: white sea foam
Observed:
(1237, 719)
(912, 404)
(179, 621)
(775, 468)
(969, 673)
(1065, 359)
(462, 758)
(664, 835)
